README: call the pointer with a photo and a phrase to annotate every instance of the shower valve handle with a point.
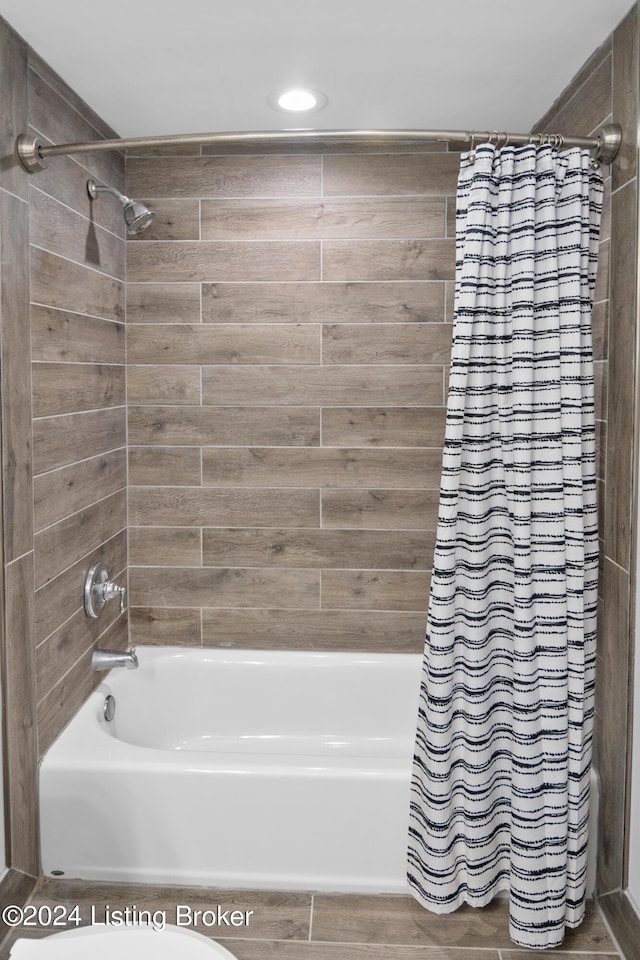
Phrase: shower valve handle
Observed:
(98, 589)
(111, 590)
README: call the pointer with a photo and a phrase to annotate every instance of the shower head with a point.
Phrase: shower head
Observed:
(136, 216)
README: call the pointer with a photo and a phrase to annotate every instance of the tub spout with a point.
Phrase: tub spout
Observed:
(106, 659)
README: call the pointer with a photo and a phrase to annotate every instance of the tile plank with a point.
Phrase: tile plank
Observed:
(223, 343)
(231, 426)
(388, 260)
(163, 302)
(191, 260)
(16, 375)
(21, 757)
(325, 302)
(165, 466)
(384, 343)
(208, 177)
(165, 546)
(385, 427)
(364, 549)
(374, 590)
(344, 218)
(403, 920)
(334, 384)
(360, 630)
(61, 336)
(224, 587)
(165, 625)
(167, 383)
(211, 506)
(60, 388)
(324, 467)
(380, 509)
(391, 174)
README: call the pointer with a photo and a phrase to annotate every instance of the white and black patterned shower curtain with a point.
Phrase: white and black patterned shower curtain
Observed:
(500, 787)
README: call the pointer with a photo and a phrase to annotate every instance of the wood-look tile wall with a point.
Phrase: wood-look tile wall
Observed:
(16, 595)
(63, 422)
(288, 335)
(607, 89)
(78, 400)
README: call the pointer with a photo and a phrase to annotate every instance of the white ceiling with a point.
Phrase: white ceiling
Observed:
(178, 66)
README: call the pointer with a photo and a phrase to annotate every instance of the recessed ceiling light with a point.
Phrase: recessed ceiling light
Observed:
(297, 100)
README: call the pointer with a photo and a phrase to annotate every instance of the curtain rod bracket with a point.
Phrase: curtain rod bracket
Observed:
(28, 150)
(610, 137)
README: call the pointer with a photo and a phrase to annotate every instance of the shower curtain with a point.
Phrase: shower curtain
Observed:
(500, 786)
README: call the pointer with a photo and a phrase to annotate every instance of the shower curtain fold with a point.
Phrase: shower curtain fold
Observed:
(500, 786)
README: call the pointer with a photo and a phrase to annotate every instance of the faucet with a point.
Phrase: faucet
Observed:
(106, 659)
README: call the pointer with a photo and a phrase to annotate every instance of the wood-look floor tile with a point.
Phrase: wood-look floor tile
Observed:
(282, 916)
(557, 955)
(287, 950)
(403, 920)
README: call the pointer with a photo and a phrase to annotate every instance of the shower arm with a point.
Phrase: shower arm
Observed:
(93, 189)
(605, 142)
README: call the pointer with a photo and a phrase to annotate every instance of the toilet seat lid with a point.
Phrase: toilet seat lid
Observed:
(125, 943)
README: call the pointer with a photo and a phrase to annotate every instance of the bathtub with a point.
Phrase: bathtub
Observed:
(236, 768)
(240, 768)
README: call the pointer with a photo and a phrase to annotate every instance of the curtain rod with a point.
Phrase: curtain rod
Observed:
(606, 140)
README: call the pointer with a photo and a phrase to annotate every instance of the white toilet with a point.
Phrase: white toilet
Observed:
(102, 942)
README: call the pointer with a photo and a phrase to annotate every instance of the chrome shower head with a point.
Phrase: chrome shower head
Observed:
(136, 216)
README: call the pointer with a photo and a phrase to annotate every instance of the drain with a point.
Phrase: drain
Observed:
(109, 707)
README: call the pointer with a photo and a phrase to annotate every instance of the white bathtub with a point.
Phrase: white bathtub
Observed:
(235, 768)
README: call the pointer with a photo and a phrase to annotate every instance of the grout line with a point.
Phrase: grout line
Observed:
(76, 313)
(15, 196)
(80, 413)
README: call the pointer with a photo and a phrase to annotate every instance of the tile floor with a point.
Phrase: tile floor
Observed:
(305, 926)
